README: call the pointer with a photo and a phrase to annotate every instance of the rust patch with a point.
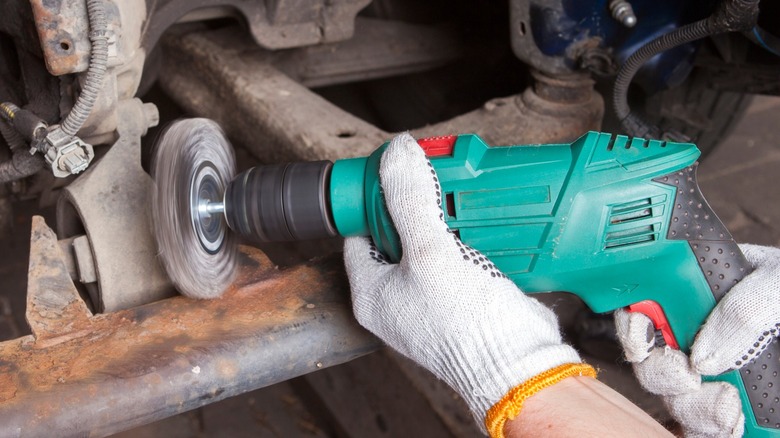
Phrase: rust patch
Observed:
(63, 31)
(54, 308)
(8, 383)
(179, 353)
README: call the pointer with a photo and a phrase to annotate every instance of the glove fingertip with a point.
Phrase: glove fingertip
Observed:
(412, 192)
(705, 361)
(636, 334)
(705, 367)
(400, 161)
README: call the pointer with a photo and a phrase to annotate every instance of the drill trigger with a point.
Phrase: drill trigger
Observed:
(653, 310)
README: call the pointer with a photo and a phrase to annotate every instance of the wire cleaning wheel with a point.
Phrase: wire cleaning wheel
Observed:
(192, 165)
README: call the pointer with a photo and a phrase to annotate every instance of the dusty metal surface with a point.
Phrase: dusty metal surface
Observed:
(212, 75)
(279, 119)
(554, 110)
(381, 48)
(81, 375)
(277, 24)
(63, 30)
(110, 203)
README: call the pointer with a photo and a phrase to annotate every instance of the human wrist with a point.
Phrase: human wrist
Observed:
(511, 404)
(484, 376)
(582, 406)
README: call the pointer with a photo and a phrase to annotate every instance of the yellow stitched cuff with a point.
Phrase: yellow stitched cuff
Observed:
(509, 407)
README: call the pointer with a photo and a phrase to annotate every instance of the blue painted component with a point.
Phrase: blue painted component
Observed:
(556, 29)
(761, 38)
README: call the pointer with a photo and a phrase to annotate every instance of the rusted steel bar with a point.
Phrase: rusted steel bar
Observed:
(81, 374)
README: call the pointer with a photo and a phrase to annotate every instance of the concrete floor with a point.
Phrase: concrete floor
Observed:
(740, 180)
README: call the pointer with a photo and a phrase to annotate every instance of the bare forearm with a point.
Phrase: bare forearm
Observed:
(582, 407)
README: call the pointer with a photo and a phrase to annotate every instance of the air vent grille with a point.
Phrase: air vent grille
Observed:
(617, 142)
(634, 222)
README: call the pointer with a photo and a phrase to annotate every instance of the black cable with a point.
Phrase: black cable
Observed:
(731, 15)
(632, 123)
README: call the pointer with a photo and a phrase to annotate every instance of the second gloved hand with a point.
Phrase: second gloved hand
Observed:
(445, 305)
(743, 324)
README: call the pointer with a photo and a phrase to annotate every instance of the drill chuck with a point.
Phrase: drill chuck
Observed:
(284, 202)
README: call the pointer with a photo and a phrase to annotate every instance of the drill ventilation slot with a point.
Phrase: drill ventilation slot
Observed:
(633, 222)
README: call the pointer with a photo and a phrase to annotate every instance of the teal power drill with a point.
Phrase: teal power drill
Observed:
(619, 222)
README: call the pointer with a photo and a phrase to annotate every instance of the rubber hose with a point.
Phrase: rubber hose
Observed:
(11, 136)
(633, 124)
(98, 59)
(21, 165)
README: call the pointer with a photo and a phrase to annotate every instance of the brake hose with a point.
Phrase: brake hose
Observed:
(731, 15)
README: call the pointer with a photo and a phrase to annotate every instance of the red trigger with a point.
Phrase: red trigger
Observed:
(653, 310)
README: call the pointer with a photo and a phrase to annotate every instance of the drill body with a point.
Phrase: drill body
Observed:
(619, 222)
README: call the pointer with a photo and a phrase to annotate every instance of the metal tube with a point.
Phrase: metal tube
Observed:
(80, 375)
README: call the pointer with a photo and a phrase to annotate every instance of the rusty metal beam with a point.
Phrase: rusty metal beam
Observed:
(80, 374)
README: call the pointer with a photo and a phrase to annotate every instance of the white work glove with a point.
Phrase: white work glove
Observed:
(445, 305)
(739, 328)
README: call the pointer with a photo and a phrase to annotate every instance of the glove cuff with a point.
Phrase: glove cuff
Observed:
(512, 403)
(483, 379)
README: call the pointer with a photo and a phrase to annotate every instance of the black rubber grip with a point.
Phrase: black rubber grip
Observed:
(282, 202)
(724, 265)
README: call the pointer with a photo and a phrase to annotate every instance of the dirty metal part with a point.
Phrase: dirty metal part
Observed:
(63, 30)
(522, 36)
(622, 11)
(170, 356)
(85, 263)
(278, 24)
(54, 308)
(68, 255)
(278, 119)
(269, 112)
(23, 75)
(380, 48)
(110, 203)
(555, 109)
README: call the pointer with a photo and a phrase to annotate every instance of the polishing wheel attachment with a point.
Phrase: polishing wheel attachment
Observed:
(192, 166)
